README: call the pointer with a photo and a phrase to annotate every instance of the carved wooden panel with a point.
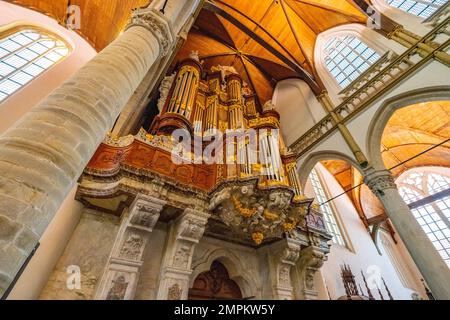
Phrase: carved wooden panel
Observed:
(142, 156)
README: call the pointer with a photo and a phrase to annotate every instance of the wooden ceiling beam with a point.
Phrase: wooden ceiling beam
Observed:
(328, 8)
(297, 39)
(212, 56)
(251, 81)
(303, 74)
(262, 29)
(215, 37)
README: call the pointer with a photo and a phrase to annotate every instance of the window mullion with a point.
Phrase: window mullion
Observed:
(30, 62)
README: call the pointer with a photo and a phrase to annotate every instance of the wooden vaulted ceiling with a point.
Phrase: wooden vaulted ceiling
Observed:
(101, 20)
(407, 142)
(265, 40)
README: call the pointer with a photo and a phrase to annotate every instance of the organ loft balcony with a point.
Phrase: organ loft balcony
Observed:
(212, 147)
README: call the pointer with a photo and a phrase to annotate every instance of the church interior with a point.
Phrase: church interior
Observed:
(225, 150)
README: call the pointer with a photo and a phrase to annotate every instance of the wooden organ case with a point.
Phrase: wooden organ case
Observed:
(249, 184)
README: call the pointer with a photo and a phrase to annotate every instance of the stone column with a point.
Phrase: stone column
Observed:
(430, 263)
(176, 270)
(284, 255)
(310, 261)
(119, 281)
(43, 155)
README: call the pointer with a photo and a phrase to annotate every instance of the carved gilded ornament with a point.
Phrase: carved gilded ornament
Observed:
(257, 214)
(264, 122)
(258, 237)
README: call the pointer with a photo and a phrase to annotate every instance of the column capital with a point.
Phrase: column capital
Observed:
(379, 180)
(156, 23)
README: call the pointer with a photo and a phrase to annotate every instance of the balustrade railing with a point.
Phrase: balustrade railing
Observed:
(373, 84)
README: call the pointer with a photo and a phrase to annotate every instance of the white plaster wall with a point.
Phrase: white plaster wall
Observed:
(298, 107)
(433, 74)
(362, 254)
(15, 106)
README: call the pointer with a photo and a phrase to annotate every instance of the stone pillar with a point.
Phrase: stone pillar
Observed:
(310, 261)
(43, 155)
(284, 255)
(119, 281)
(430, 263)
(185, 233)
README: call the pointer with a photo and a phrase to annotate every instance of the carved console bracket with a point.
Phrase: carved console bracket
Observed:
(185, 233)
(310, 261)
(121, 274)
(284, 257)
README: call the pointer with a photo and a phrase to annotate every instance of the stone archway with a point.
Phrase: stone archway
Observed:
(215, 284)
(386, 112)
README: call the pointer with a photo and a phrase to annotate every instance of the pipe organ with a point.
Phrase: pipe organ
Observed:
(233, 160)
(184, 94)
(218, 103)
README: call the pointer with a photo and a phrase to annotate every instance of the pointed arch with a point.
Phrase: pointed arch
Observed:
(310, 162)
(237, 271)
(387, 110)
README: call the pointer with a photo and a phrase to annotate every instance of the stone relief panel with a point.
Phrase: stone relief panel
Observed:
(133, 247)
(127, 255)
(175, 292)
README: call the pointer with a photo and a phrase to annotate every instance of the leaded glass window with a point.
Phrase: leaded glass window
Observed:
(420, 8)
(26, 54)
(326, 209)
(428, 195)
(347, 57)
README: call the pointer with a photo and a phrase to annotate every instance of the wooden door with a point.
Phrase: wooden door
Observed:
(215, 285)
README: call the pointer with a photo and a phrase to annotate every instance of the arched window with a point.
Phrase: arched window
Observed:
(25, 54)
(347, 57)
(420, 8)
(428, 195)
(326, 209)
